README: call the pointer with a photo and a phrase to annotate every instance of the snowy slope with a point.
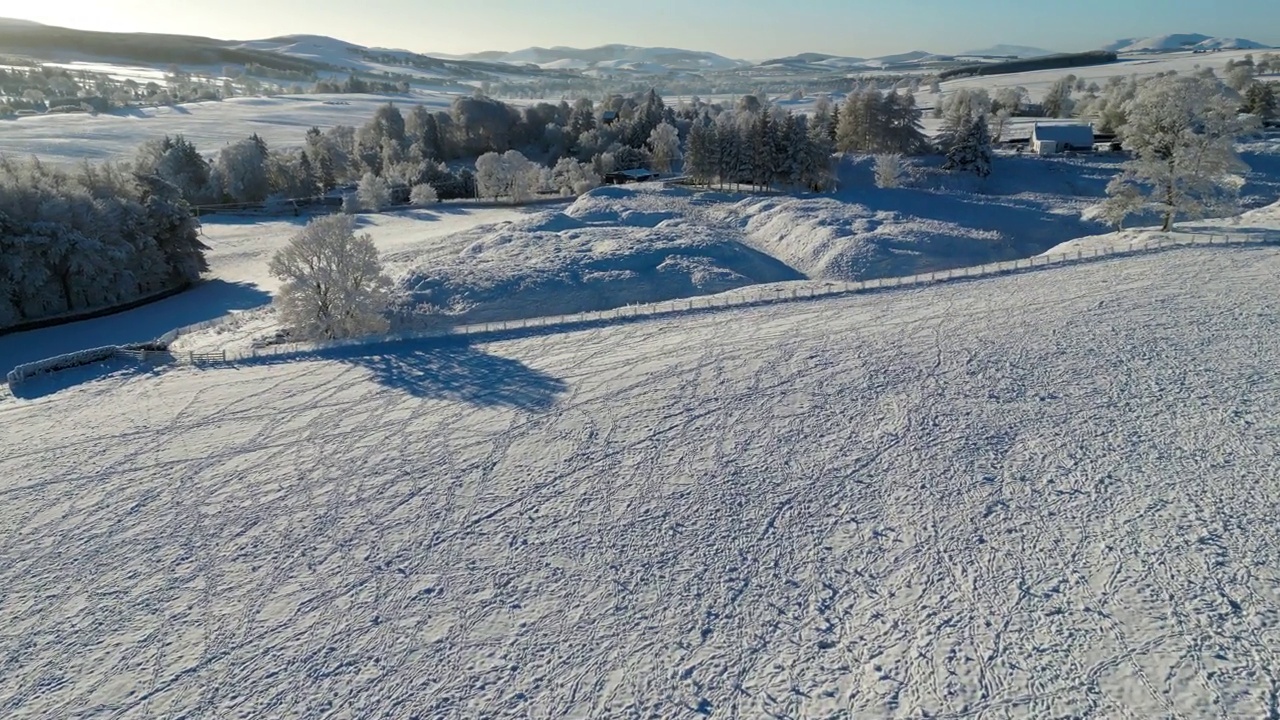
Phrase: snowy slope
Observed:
(1044, 495)
(1141, 65)
(1185, 41)
(282, 121)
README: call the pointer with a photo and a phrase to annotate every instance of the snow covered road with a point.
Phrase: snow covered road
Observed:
(1041, 495)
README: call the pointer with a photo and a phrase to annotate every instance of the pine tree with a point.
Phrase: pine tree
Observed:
(1260, 100)
(307, 175)
(325, 178)
(971, 151)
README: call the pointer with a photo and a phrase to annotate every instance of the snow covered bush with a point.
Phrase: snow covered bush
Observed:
(422, 195)
(333, 284)
(373, 194)
(1182, 133)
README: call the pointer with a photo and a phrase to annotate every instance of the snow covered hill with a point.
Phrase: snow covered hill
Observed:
(606, 57)
(1042, 495)
(1021, 51)
(1187, 41)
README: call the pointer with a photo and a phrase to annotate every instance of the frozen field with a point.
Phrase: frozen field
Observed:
(282, 121)
(1044, 495)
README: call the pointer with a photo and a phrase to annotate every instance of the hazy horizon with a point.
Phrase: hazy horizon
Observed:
(746, 29)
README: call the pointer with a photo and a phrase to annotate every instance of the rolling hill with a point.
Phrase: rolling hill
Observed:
(607, 57)
(1185, 41)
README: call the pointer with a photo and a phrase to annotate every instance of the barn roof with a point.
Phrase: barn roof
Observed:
(637, 173)
(1075, 135)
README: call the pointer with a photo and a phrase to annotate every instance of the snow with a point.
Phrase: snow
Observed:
(1183, 41)
(239, 250)
(282, 121)
(1022, 51)
(1049, 494)
(1260, 223)
(648, 60)
(1037, 82)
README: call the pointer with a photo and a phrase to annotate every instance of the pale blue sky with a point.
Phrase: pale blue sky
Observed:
(752, 29)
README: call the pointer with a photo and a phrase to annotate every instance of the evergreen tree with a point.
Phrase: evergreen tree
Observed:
(307, 175)
(971, 150)
(1260, 100)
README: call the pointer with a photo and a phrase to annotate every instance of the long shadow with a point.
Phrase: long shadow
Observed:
(202, 302)
(450, 369)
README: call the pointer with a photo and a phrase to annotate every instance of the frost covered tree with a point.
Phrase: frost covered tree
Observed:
(423, 195)
(333, 285)
(1182, 132)
(373, 193)
(1012, 99)
(570, 177)
(958, 112)
(1260, 100)
(664, 147)
(1057, 100)
(179, 163)
(700, 151)
(243, 169)
(970, 150)
(92, 239)
(820, 173)
(508, 175)
(889, 170)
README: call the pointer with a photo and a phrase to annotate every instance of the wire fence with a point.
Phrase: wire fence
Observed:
(743, 297)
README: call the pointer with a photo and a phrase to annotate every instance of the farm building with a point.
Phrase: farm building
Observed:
(1053, 139)
(622, 177)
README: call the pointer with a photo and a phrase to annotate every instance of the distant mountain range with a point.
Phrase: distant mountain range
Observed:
(1018, 51)
(324, 56)
(608, 58)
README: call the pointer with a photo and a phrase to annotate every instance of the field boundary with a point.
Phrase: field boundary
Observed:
(750, 296)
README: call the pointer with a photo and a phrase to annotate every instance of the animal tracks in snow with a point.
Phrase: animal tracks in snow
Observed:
(984, 500)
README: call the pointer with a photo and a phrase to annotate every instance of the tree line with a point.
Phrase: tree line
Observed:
(98, 237)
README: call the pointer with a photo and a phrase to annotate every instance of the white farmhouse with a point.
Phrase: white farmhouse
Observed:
(1053, 139)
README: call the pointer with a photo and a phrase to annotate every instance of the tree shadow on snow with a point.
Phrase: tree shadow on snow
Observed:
(450, 369)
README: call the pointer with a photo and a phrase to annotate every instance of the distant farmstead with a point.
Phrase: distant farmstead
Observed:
(630, 176)
(1054, 139)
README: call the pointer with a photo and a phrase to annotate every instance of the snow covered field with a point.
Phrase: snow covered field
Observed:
(282, 121)
(1038, 81)
(1041, 495)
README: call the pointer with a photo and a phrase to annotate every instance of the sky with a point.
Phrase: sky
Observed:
(747, 29)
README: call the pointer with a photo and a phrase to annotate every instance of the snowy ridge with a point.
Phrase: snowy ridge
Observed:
(1018, 497)
(1185, 41)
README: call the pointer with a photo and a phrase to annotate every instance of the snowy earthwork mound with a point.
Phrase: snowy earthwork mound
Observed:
(610, 248)
(1050, 494)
